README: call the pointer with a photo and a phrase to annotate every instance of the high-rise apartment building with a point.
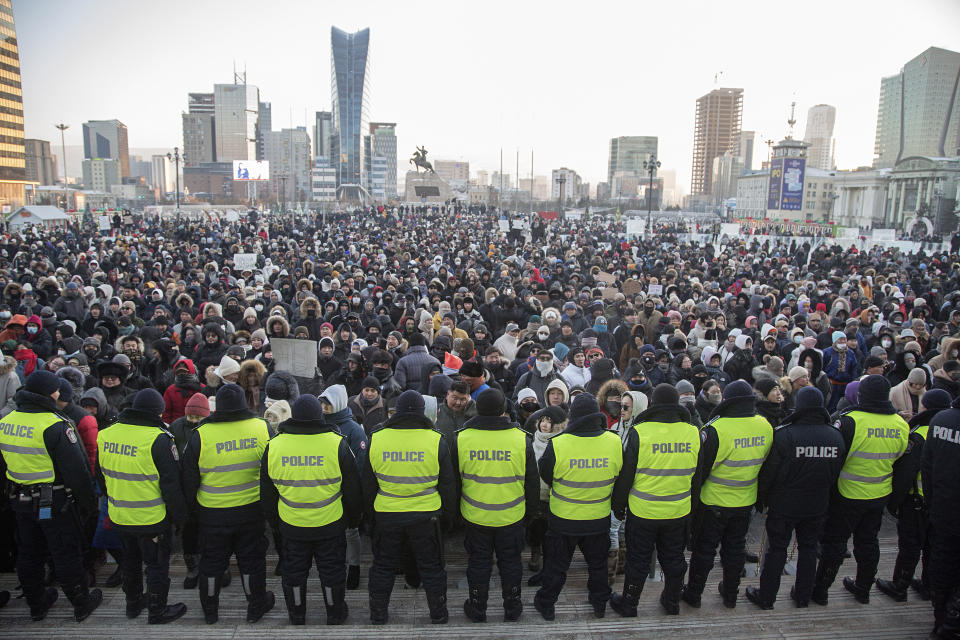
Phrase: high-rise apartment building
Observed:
(323, 135)
(41, 164)
(350, 91)
(819, 133)
(383, 144)
(199, 133)
(12, 152)
(162, 176)
(919, 109)
(264, 125)
(288, 152)
(99, 174)
(568, 181)
(717, 131)
(236, 116)
(107, 139)
(745, 146)
(452, 170)
(628, 153)
(483, 178)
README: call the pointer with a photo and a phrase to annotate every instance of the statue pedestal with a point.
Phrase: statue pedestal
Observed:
(426, 187)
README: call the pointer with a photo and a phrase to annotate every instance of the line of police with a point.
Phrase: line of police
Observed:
(673, 483)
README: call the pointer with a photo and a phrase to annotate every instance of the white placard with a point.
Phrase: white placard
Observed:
(299, 357)
(103, 223)
(504, 225)
(232, 216)
(635, 227)
(573, 216)
(244, 261)
(731, 229)
(884, 235)
(655, 289)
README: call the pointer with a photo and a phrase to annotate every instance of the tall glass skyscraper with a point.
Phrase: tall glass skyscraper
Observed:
(13, 172)
(349, 92)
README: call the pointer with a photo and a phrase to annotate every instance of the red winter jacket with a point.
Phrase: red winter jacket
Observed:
(88, 430)
(175, 398)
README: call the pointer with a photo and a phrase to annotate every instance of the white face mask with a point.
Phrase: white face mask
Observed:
(797, 339)
(544, 368)
(841, 347)
(886, 344)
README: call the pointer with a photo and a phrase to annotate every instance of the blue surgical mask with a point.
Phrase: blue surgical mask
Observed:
(125, 331)
(599, 328)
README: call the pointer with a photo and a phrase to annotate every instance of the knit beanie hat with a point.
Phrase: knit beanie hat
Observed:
(765, 386)
(410, 403)
(798, 372)
(230, 397)
(808, 398)
(197, 405)
(917, 376)
(737, 389)
(370, 383)
(472, 370)
(42, 382)
(874, 389)
(665, 395)
(490, 403)
(583, 405)
(66, 390)
(149, 401)
(936, 400)
(306, 407)
(838, 335)
(684, 386)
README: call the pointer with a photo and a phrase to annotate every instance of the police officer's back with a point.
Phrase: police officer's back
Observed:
(580, 465)
(656, 485)
(941, 489)
(498, 486)
(138, 469)
(795, 484)
(51, 491)
(875, 437)
(310, 490)
(735, 442)
(221, 481)
(409, 493)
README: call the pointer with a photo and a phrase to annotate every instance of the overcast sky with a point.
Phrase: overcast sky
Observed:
(465, 79)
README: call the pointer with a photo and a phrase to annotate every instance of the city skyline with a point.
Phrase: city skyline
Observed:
(418, 82)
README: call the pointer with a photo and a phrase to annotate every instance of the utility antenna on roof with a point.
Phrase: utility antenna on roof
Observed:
(792, 121)
(239, 77)
(716, 78)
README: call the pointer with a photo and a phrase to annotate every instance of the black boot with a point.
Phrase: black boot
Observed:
(599, 608)
(896, 588)
(259, 600)
(670, 597)
(160, 611)
(4, 598)
(753, 595)
(921, 588)
(729, 595)
(353, 576)
(626, 604)
(861, 593)
(192, 561)
(950, 627)
(546, 609)
(296, 599)
(693, 590)
(337, 609)
(379, 608)
(826, 574)
(475, 606)
(800, 604)
(437, 603)
(939, 600)
(512, 604)
(39, 610)
(85, 601)
(133, 590)
(226, 579)
(210, 597)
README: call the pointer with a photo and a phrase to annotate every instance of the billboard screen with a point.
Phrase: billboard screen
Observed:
(251, 170)
(776, 182)
(791, 197)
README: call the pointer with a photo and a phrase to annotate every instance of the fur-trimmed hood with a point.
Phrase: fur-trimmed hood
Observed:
(251, 373)
(277, 319)
(613, 388)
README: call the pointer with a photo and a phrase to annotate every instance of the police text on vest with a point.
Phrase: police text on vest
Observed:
(945, 433)
(817, 452)
(19, 430)
(490, 455)
(403, 456)
(883, 433)
(120, 449)
(671, 447)
(237, 445)
(746, 443)
(589, 463)
(301, 461)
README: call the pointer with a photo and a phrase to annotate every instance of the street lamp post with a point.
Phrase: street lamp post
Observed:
(651, 167)
(176, 157)
(63, 149)
(561, 180)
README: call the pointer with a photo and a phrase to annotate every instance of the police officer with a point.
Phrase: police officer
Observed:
(409, 492)
(580, 465)
(499, 485)
(875, 438)
(911, 510)
(138, 469)
(735, 442)
(221, 481)
(795, 484)
(52, 490)
(310, 490)
(941, 490)
(658, 478)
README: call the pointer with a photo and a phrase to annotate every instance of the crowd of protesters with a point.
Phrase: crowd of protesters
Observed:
(438, 300)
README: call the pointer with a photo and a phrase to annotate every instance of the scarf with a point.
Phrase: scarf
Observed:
(29, 358)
